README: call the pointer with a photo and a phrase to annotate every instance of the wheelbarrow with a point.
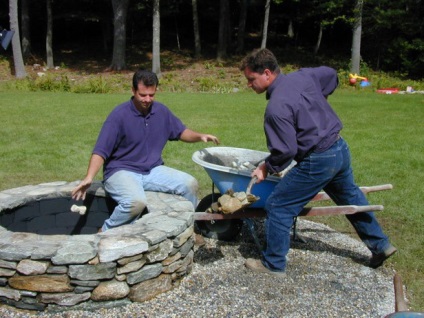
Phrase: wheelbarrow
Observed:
(230, 170)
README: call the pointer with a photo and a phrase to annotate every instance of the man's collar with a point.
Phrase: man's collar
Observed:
(273, 85)
(136, 112)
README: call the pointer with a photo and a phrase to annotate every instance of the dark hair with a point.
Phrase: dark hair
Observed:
(259, 60)
(148, 78)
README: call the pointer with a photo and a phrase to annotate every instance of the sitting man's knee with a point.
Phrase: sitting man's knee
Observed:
(193, 185)
(137, 207)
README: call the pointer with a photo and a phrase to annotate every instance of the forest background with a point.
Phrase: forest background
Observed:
(124, 34)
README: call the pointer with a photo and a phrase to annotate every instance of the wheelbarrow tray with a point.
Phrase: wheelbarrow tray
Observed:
(218, 163)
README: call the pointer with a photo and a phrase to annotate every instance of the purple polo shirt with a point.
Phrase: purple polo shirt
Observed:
(298, 119)
(131, 141)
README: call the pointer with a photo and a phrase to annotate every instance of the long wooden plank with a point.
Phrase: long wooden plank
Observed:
(309, 211)
(339, 209)
(322, 196)
(400, 303)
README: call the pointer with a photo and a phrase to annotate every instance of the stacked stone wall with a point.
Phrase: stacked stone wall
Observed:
(131, 263)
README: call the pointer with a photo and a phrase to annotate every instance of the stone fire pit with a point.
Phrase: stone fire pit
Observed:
(50, 256)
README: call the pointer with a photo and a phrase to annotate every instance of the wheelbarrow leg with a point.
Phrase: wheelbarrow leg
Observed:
(296, 237)
(251, 226)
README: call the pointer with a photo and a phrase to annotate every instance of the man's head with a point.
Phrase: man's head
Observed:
(260, 69)
(147, 78)
(144, 89)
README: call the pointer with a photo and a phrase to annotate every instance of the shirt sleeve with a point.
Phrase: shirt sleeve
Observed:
(281, 140)
(176, 127)
(328, 79)
(107, 140)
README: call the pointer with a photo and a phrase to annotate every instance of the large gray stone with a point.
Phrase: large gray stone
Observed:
(92, 272)
(10, 293)
(161, 252)
(115, 247)
(147, 272)
(74, 252)
(64, 299)
(30, 267)
(148, 289)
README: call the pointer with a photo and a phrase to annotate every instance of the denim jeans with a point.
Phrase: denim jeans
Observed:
(127, 189)
(331, 171)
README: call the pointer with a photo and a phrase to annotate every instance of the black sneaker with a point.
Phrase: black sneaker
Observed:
(378, 259)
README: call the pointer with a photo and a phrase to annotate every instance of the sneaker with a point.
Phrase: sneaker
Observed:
(257, 266)
(378, 259)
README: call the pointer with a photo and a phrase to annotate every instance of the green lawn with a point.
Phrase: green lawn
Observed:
(49, 136)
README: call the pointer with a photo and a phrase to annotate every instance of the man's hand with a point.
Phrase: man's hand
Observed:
(261, 172)
(80, 190)
(189, 135)
(94, 166)
(207, 138)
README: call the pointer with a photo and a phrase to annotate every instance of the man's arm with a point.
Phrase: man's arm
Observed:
(328, 79)
(189, 135)
(96, 162)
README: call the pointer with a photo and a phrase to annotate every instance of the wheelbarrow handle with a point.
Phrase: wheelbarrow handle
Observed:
(250, 185)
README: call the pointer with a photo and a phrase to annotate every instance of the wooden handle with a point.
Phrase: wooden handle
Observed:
(400, 303)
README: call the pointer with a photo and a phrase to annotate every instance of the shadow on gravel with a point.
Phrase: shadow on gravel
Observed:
(249, 249)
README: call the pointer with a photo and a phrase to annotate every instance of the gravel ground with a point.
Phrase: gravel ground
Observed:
(326, 277)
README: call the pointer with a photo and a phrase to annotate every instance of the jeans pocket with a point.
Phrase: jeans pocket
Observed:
(322, 166)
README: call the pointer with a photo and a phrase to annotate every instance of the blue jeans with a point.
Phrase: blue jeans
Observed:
(331, 171)
(127, 189)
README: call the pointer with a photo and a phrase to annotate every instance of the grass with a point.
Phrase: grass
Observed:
(49, 137)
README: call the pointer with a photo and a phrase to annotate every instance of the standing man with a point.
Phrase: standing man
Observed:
(129, 148)
(300, 125)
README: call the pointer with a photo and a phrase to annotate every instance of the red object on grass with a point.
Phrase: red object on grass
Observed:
(388, 90)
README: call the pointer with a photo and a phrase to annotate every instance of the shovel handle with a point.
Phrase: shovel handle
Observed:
(250, 185)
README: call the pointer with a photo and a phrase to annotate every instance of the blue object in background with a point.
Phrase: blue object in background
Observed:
(5, 38)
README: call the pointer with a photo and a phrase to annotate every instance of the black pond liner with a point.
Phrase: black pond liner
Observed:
(53, 216)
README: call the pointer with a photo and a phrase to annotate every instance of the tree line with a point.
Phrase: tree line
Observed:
(382, 35)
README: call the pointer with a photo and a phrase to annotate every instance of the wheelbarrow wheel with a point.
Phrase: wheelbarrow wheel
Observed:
(224, 230)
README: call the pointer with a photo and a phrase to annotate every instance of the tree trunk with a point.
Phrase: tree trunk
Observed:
(16, 43)
(106, 33)
(318, 44)
(241, 26)
(156, 38)
(224, 20)
(177, 33)
(25, 25)
(49, 35)
(266, 22)
(197, 44)
(120, 9)
(356, 38)
(290, 31)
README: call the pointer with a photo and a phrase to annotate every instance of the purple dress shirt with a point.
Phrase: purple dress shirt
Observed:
(298, 119)
(131, 141)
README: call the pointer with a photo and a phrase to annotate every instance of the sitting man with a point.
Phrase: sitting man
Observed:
(129, 147)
